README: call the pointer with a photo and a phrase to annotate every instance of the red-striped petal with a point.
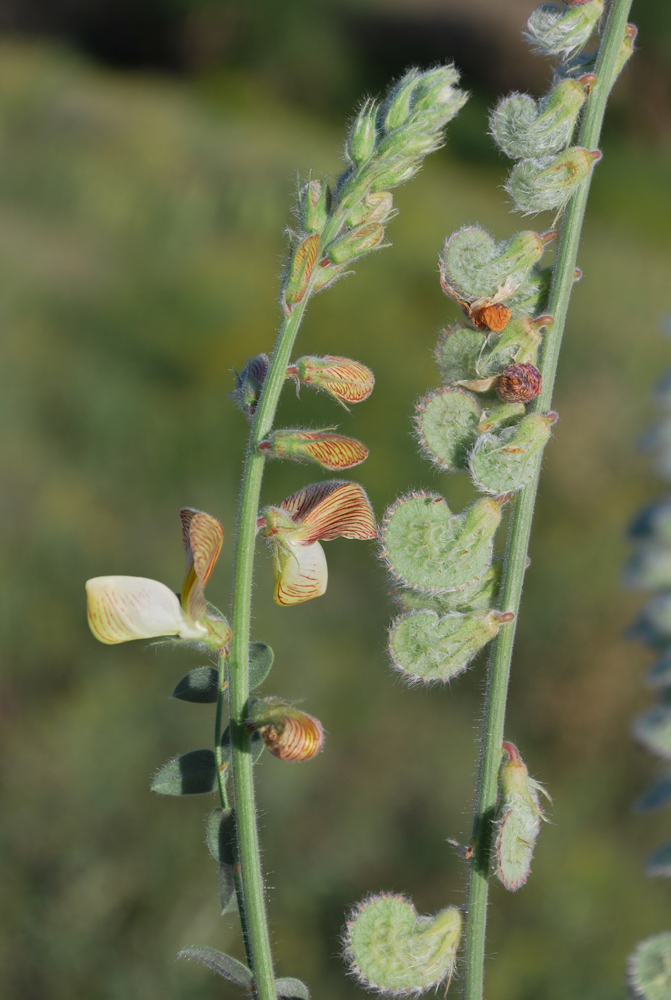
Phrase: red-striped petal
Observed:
(290, 734)
(203, 538)
(300, 573)
(344, 512)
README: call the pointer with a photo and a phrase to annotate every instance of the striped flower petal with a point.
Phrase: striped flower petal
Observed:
(203, 538)
(300, 572)
(331, 510)
(121, 608)
(331, 451)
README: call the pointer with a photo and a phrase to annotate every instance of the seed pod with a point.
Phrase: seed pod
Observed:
(478, 596)
(301, 265)
(474, 266)
(526, 128)
(314, 205)
(503, 462)
(547, 183)
(519, 343)
(458, 353)
(650, 968)
(553, 31)
(331, 451)
(500, 416)
(427, 647)
(356, 242)
(363, 137)
(287, 732)
(519, 383)
(346, 380)
(518, 819)
(392, 950)
(447, 427)
(249, 383)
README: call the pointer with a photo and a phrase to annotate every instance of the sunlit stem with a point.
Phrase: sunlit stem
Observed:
(521, 518)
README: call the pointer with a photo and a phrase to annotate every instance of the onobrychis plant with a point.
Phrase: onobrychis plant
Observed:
(491, 418)
(386, 146)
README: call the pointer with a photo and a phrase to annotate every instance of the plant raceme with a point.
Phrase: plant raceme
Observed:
(337, 225)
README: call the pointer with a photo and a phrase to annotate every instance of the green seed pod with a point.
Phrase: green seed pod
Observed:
(518, 820)
(500, 416)
(475, 266)
(652, 729)
(553, 30)
(531, 297)
(426, 647)
(363, 137)
(427, 547)
(458, 353)
(477, 596)
(526, 128)
(392, 950)
(504, 462)
(650, 968)
(518, 344)
(547, 183)
(396, 110)
(447, 427)
(355, 243)
(314, 205)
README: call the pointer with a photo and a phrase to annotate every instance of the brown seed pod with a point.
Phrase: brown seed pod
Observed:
(519, 383)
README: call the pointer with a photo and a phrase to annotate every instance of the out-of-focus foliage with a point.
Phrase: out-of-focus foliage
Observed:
(140, 246)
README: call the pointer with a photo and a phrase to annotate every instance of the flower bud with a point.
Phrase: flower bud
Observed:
(397, 173)
(547, 183)
(346, 380)
(363, 137)
(287, 732)
(356, 242)
(301, 265)
(376, 206)
(436, 91)
(519, 383)
(249, 383)
(553, 31)
(314, 204)
(518, 819)
(397, 107)
(330, 450)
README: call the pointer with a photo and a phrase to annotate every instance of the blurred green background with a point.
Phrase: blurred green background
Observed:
(148, 155)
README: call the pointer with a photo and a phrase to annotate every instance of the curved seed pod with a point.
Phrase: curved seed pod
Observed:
(458, 353)
(526, 128)
(504, 462)
(447, 427)
(552, 30)
(477, 596)
(547, 183)
(474, 266)
(392, 950)
(518, 820)
(428, 547)
(650, 968)
(330, 450)
(426, 647)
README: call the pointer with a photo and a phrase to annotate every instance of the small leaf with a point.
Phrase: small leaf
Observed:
(192, 773)
(292, 988)
(657, 795)
(200, 686)
(261, 659)
(650, 968)
(257, 746)
(220, 963)
(221, 835)
(660, 862)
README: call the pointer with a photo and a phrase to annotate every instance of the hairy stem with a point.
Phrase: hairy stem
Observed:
(521, 518)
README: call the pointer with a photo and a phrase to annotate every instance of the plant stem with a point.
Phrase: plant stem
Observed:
(521, 518)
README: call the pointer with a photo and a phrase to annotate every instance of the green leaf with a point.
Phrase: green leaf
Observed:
(292, 988)
(221, 835)
(227, 897)
(650, 968)
(447, 426)
(261, 659)
(200, 685)
(430, 548)
(220, 963)
(426, 647)
(191, 773)
(257, 746)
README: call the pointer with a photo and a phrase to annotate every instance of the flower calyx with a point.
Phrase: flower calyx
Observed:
(294, 530)
(121, 608)
(249, 383)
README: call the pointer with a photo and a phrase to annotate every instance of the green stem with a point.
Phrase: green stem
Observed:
(521, 518)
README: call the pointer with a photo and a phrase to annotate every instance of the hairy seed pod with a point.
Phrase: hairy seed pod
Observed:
(519, 383)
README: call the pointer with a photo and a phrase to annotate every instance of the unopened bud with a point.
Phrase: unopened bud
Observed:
(397, 173)
(375, 206)
(356, 242)
(315, 204)
(436, 91)
(518, 819)
(287, 732)
(547, 183)
(397, 107)
(519, 383)
(346, 380)
(330, 450)
(363, 137)
(553, 31)
(249, 383)
(301, 266)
